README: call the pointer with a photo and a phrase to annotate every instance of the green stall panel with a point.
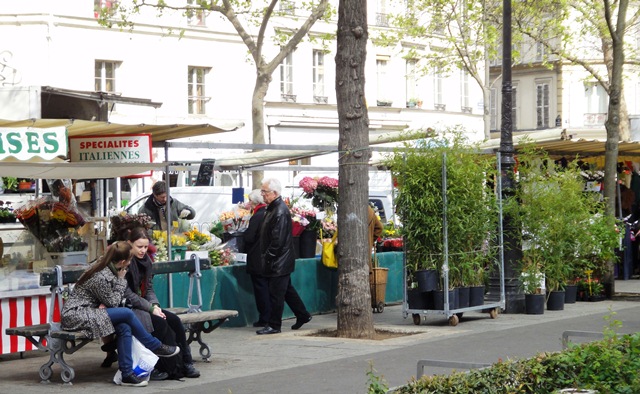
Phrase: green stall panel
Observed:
(229, 287)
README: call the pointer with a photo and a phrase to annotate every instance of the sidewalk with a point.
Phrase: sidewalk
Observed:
(294, 362)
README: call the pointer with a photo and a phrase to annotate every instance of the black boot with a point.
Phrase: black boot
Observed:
(112, 357)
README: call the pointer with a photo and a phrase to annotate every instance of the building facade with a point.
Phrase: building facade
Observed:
(198, 68)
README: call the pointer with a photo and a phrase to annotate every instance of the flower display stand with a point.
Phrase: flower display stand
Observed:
(68, 258)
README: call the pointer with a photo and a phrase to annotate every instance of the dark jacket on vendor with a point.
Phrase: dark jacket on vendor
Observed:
(155, 207)
(277, 240)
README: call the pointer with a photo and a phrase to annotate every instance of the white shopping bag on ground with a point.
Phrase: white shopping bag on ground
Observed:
(144, 360)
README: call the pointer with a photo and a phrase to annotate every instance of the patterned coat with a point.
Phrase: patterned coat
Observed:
(81, 311)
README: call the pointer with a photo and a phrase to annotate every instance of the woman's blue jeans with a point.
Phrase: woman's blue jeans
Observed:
(127, 324)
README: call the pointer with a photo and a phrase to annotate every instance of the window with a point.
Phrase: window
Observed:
(382, 18)
(109, 6)
(596, 104)
(105, 76)
(410, 79)
(514, 108)
(464, 92)
(493, 109)
(196, 90)
(195, 14)
(382, 82)
(438, 82)
(286, 79)
(319, 96)
(542, 52)
(542, 105)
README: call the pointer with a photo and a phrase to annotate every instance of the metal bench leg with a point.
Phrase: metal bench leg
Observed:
(56, 349)
(195, 334)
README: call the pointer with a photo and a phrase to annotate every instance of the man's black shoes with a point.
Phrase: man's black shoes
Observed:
(301, 322)
(267, 330)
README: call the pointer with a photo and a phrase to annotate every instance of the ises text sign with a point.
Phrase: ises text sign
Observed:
(25, 143)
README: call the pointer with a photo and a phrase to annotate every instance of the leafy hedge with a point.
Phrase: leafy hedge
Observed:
(610, 365)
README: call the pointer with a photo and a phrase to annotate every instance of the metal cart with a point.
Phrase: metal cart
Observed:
(454, 315)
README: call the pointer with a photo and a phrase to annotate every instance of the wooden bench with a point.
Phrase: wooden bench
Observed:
(51, 338)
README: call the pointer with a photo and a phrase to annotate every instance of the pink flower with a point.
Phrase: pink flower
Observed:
(308, 184)
(328, 182)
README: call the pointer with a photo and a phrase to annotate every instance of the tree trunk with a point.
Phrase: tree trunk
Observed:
(355, 316)
(613, 119)
(257, 120)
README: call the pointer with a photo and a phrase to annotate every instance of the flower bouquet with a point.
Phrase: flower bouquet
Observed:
(302, 218)
(323, 192)
(49, 221)
(159, 239)
(235, 220)
(126, 221)
(195, 239)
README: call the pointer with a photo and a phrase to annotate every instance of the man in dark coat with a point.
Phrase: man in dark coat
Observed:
(155, 207)
(276, 246)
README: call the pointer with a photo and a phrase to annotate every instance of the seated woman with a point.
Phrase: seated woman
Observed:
(162, 324)
(92, 308)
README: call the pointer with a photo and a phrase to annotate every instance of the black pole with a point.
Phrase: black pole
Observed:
(512, 250)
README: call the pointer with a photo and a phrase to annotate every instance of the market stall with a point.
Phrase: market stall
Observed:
(22, 300)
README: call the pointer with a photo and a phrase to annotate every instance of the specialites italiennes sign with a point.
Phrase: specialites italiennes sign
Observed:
(125, 148)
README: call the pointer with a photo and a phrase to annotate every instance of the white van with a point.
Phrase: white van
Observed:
(208, 201)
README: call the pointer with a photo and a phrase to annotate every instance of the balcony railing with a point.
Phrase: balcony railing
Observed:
(289, 98)
(594, 119)
(467, 110)
(320, 99)
(382, 20)
(440, 107)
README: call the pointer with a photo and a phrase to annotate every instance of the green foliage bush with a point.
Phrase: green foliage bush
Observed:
(471, 205)
(608, 366)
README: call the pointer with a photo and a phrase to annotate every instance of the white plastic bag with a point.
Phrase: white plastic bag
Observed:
(144, 360)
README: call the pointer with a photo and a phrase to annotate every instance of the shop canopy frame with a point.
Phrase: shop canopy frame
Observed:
(558, 143)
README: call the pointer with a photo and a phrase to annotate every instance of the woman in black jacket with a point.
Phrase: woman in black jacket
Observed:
(254, 259)
(162, 324)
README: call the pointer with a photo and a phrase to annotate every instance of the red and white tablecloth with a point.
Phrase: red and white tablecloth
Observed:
(23, 311)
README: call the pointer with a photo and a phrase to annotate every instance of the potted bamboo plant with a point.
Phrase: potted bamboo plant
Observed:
(470, 207)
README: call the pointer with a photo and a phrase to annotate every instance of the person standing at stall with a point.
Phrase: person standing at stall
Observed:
(375, 232)
(254, 259)
(276, 246)
(156, 204)
(92, 308)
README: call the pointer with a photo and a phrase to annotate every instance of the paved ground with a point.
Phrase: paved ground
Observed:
(294, 362)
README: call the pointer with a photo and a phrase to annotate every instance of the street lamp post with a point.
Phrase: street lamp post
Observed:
(514, 298)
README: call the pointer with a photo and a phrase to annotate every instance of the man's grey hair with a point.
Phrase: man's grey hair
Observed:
(255, 197)
(274, 185)
(159, 188)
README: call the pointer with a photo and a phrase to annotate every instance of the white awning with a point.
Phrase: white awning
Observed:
(159, 133)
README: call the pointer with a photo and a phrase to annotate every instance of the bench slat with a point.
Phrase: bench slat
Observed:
(216, 314)
(37, 330)
(68, 335)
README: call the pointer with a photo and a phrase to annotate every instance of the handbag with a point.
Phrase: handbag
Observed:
(144, 360)
(329, 258)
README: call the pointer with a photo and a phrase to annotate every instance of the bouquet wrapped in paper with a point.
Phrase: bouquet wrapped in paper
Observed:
(53, 223)
(235, 220)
